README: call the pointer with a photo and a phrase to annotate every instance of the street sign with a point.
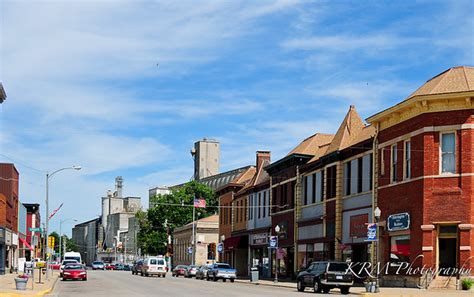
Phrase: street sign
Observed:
(220, 247)
(34, 229)
(398, 222)
(372, 232)
(190, 250)
(273, 242)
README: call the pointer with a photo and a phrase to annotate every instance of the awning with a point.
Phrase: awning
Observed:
(26, 244)
(232, 243)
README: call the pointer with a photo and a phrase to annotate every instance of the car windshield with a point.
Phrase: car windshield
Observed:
(65, 262)
(73, 267)
(338, 267)
(224, 266)
(98, 263)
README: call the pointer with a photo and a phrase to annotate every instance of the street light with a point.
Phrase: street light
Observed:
(277, 231)
(377, 214)
(61, 236)
(48, 176)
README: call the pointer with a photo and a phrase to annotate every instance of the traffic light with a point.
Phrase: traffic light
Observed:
(51, 242)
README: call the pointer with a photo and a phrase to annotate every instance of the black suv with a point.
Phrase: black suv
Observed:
(324, 276)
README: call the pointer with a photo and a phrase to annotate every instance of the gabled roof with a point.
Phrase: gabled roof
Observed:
(453, 80)
(312, 145)
(259, 177)
(348, 131)
(240, 180)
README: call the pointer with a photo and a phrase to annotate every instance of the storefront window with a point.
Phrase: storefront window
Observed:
(399, 250)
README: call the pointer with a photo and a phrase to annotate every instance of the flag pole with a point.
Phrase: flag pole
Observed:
(194, 236)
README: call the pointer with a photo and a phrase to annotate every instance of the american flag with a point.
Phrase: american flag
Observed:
(200, 203)
(55, 211)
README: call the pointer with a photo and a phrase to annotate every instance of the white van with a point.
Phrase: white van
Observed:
(154, 266)
(73, 256)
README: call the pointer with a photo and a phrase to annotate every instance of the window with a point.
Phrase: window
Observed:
(359, 175)
(313, 196)
(322, 187)
(331, 182)
(394, 163)
(371, 170)
(407, 162)
(399, 250)
(251, 207)
(306, 178)
(382, 162)
(259, 203)
(347, 173)
(264, 204)
(448, 155)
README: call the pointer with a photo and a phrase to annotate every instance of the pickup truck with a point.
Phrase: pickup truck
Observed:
(221, 271)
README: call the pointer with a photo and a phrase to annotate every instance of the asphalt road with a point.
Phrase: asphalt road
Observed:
(123, 283)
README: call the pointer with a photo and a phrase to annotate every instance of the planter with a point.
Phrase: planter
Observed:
(370, 287)
(21, 283)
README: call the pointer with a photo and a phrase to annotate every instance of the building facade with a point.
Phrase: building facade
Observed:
(425, 175)
(206, 237)
(206, 154)
(9, 242)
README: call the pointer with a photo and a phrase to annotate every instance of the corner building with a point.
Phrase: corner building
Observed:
(425, 170)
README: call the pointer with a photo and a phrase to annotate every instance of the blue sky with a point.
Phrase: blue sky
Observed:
(84, 86)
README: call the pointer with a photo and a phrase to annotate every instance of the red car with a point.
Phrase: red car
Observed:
(74, 271)
(109, 266)
(179, 270)
(55, 266)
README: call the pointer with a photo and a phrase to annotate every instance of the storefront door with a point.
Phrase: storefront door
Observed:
(447, 249)
(447, 255)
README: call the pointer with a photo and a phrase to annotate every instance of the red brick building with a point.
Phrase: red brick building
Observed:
(425, 173)
(8, 217)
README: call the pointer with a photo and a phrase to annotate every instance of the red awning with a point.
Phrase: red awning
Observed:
(401, 249)
(232, 243)
(26, 244)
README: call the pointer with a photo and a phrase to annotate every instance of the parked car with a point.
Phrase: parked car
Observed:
(154, 266)
(127, 267)
(324, 276)
(137, 267)
(179, 270)
(221, 271)
(109, 266)
(98, 265)
(55, 265)
(74, 271)
(119, 266)
(191, 271)
(201, 272)
(64, 263)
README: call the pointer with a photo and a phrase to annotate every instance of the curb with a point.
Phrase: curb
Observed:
(37, 294)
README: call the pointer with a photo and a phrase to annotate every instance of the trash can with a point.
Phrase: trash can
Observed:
(254, 274)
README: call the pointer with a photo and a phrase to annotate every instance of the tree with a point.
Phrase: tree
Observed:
(56, 241)
(171, 211)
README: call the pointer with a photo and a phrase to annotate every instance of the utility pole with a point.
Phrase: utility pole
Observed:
(193, 254)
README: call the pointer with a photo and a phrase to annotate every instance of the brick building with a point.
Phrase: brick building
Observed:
(425, 173)
(8, 217)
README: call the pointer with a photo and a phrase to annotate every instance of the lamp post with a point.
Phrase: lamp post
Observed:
(61, 237)
(48, 176)
(377, 214)
(221, 257)
(277, 262)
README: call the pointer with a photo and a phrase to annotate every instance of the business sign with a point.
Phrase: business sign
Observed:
(273, 242)
(259, 239)
(399, 221)
(220, 247)
(372, 232)
(358, 225)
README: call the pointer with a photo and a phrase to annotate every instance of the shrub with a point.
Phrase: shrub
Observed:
(467, 283)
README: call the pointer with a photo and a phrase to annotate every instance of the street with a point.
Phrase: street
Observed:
(123, 283)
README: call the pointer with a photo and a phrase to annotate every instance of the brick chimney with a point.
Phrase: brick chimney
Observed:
(262, 158)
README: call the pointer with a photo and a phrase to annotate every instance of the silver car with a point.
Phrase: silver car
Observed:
(97, 265)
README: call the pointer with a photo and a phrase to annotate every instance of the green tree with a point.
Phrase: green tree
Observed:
(56, 241)
(171, 211)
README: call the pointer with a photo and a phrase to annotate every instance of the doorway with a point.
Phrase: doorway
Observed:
(447, 255)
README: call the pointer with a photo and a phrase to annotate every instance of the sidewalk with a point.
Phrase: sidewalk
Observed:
(391, 292)
(7, 286)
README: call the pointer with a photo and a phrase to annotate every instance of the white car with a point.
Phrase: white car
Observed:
(154, 266)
